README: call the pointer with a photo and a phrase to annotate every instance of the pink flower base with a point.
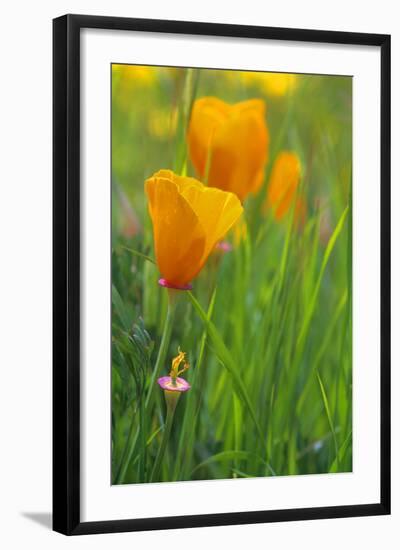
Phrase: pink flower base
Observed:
(165, 382)
(224, 246)
(166, 284)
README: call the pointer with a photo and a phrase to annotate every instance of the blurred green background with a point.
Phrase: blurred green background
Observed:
(282, 305)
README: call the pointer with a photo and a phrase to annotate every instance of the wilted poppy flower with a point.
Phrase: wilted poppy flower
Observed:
(173, 386)
(173, 382)
(189, 219)
(283, 183)
(228, 144)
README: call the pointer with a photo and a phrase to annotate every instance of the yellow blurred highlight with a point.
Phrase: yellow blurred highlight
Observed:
(272, 84)
(162, 124)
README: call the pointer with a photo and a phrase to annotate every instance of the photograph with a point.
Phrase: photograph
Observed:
(231, 263)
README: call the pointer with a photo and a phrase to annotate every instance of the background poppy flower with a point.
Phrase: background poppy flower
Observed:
(228, 144)
(188, 218)
(283, 183)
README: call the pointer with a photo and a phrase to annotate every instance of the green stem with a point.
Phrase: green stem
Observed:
(161, 451)
(162, 352)
(188, 96)
(193, 406)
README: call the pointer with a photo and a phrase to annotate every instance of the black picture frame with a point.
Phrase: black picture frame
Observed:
(66, 273)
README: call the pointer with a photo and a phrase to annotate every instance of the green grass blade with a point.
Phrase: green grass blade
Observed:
(139, 254)
(120, 309)
(328, 415)
(227, 456)
(328, 337)
(227, 360)
(311, 307)
(240, 473)
(335, 466)
(186, 439)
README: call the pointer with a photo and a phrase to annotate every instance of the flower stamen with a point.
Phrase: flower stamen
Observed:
(176, 363)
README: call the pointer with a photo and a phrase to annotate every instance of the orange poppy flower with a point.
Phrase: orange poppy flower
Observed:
(228, 144)
(283, 183)
(188, 218)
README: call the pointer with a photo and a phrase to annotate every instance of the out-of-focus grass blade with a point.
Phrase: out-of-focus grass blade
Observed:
(192, 410)
(188, 96)
(228, 362)
(335, 466)
(148, 442)
(227, 455)
(120, 309)
(328, 414)
(154, 434)
(321, 351)
(311, 307)
(139, 254)
(315, 446)
(286, 247)
(240, 473)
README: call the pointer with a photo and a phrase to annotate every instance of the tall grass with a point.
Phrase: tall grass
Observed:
(267, 326)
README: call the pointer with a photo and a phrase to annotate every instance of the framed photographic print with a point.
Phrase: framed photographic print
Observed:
(221, 274)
